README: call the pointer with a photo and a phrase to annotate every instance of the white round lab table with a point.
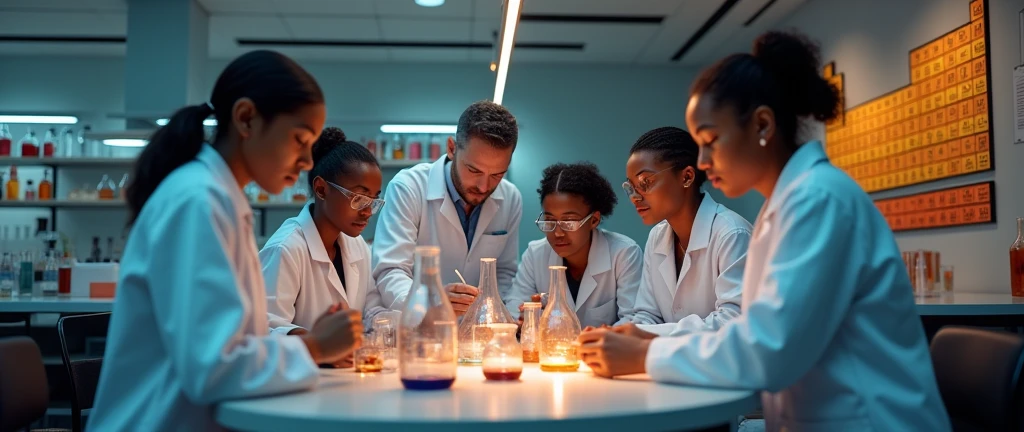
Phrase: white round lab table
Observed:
(345, 400)
(55, 304)
(971, 304)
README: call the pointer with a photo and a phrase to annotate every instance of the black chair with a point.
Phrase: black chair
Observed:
(979, 376)
(84, 373)
(24, 391)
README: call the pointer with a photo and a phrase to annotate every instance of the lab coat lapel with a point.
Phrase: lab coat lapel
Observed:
(599, 261)
(351, 257)
(700, 233)
(667, 268)
(437, 190)
(317, 253)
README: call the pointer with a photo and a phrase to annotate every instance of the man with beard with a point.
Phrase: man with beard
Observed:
(461, 203)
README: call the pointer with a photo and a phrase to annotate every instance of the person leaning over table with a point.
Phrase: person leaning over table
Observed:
(189, 327)
(602, 267)
(829, 329)
(318, 258)
(461, 202)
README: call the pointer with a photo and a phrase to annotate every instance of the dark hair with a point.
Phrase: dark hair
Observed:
(581, 179)
(334, 155)
(488, 121)
(274, 83)
(672, 145)
(782, 74)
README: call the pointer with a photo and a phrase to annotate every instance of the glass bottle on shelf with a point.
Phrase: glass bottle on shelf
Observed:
(435, 147)
(370, 145)
(30, 192)
(29, 144)
(1, 182)
(67, 143)
(64, 275)
(529, 335)
(263, 196)
(559, 328)
(503, 356)
(486, 309)
(27, 275)
(50, 143)
(13, 192)
(1017, 262)
(415, 148)
(386, 151)
(7, 280)
(5, 141)
(46, 187)
(105, 189)
(110, 250)
(122, 185)
(398, 147)
(50, 274)
(82, 143)
(427, 341)
(96, 255)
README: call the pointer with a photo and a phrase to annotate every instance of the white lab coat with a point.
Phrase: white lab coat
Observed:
(419, 195)
(302, 282)
(829, 328)
(607, 289)
(189, 327)
(708, 290)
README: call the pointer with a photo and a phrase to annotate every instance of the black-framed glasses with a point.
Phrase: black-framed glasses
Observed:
(567, 225)
(359, 201)
(644, 186)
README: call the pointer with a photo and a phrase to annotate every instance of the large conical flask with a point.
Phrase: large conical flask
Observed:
(559, 328)
(427, 344)
(487, 308)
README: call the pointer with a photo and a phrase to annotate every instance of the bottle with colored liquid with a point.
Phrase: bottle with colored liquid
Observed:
(7, 281)
(30, 191)
(1017, 262)
(435, 148)
(64, 276)
(427, 344)
(5, 141)
(50, 275)
(105, 188)
(13, 187)
(29, 145)
(50, 143)
(398, 147)
(27, 275)
(46, 187)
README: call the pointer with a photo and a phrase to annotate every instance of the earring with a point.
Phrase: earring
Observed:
(687, 184)
(763, 142)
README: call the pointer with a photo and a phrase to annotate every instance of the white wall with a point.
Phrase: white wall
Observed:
(869, 41)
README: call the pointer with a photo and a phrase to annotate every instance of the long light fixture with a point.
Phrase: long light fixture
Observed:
(207, 122)
(430, 3)
(38, 119)
(125, 142)
(508, 37)
(413, 128)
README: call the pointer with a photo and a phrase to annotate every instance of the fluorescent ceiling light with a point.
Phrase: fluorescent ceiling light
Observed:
(38, 119)
(125, 142)
(207, 122)
(508, 38)
(430, 3)
(411, 128)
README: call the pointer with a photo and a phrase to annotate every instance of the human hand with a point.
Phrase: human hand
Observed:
(335, 335)
(611, 354)
(461, 296)
(630, 329)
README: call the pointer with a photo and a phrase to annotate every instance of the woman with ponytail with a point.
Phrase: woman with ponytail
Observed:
(318, 258)
(829, 331)
(189, 327)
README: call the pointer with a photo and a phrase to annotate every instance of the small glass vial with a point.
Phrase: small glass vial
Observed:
(50, 275)
(503, 359)
(1017, 262)
(529, 336)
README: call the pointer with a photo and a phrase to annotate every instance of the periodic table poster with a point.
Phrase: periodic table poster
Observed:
(935, 127)
(961, 205)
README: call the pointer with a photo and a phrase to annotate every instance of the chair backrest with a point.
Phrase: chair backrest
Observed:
(24, 392)
(84, 372)
(979, 376)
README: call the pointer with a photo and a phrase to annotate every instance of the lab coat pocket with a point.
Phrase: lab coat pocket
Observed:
(491, 245)
(605, 313)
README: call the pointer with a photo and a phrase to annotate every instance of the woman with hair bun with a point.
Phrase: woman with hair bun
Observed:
(318, 258)
(829, 331)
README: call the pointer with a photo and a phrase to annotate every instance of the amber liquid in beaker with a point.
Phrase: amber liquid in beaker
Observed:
(1017, 272)
(532, 356)
(560, 367)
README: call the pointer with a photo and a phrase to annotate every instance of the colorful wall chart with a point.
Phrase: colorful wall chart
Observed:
(961, 205)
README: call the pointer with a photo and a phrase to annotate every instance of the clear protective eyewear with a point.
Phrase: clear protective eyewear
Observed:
(359, 201)
(568, 225)
(645, 185)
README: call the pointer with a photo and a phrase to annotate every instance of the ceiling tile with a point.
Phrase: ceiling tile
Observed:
(65, 5)
(335, 28)
(409, 8)
(487, 9)
(436, 30)
(731, 36)
(606, 7)
(263, 27)
(238, 6)
(63, 23)
(429, 54)
(325, 7)
(675, 30)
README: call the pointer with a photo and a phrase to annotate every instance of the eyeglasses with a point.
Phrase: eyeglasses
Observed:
(567, 225)
(359, 201)
(645, 185)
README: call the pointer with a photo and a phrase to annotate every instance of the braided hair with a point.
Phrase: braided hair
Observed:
(334, 155)
(583, 180)
(672, 145)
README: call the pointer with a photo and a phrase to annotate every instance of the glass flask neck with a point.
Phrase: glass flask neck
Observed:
(427, 267)
(1020, 230)
(558, 286)
(488, 277)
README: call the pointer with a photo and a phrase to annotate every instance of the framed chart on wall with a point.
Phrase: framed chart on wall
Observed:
(955, 206)
(935, 127)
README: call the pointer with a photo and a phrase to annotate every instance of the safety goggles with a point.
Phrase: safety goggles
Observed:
(644, 185)
(568, 225)
(359, 201)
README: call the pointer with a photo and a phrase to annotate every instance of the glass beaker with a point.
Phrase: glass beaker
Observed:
(922, 276)
(529, 334)
(1017, 262)
(427, 341)
(486, 309)
(947, 279)
(385, 337)
(503, 356)
(368, 359)
(559, 328)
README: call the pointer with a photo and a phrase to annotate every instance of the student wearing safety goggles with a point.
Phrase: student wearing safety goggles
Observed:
(603, 268)
(318, 258)
(694, 258)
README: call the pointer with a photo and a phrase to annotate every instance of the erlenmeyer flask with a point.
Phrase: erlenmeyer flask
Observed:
(427, 344)
(559, 328)
(486, 309)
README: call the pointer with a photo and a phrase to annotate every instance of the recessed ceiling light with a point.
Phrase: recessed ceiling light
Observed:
(410, 128)
(430, 3)
(207, 122)
(125, 142)
(38, 119)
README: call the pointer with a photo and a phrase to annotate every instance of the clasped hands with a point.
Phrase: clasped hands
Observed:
(613, 351)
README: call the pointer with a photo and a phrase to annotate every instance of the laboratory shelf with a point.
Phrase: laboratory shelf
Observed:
(77, 162)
